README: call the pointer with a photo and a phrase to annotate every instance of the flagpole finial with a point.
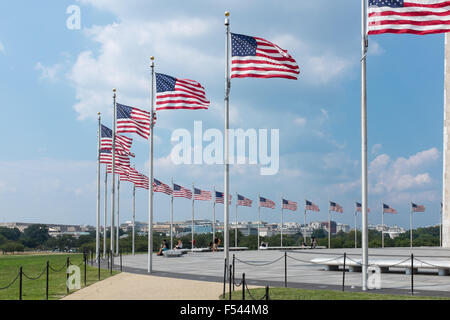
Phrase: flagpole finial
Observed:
(114, 90)
(152, 58)
(227, 13)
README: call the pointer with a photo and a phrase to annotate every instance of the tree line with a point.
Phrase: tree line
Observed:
(36, 237)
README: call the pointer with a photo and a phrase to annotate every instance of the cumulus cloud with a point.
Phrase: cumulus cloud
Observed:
(402, 173)
(50, 73)
(376, 148)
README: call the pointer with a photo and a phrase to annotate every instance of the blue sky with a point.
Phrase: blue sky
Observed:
(55, 80)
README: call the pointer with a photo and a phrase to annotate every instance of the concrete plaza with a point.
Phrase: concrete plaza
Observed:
(263, 268)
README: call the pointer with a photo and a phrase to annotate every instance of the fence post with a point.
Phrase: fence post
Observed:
(120, 260)
(111, 265)
(267, 292)
(224, 278)
(231, 279)
(20, 282)
(412, 273)
(46, 281)
(85, 269)
(285, 269)
(234, 270)
(92, 258)
(67, 274)
(99, 261)
(108, 259)
(243, 286)
(343, 272)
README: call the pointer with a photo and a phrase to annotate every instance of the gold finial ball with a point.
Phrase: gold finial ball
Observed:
(114, 90)
(99, 113)
(152, 58)
(227, 13)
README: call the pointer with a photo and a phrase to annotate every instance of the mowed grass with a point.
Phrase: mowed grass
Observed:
(301, 294)
(33, 266)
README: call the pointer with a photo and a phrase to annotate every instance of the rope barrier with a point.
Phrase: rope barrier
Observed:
(430, 264)
(58, 270)
(312, 262)
(34, 278)
(12, 282)
(251, 296)
(257, 264)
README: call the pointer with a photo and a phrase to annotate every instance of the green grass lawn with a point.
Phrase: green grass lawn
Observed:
(33, 266)
(301, 294)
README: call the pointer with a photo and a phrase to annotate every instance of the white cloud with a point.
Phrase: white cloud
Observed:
(300, 121)
(2, 48)
(376, 148)
(50, 73)
(402, 173)
(375, 48)
(123, 61)
(316, 64)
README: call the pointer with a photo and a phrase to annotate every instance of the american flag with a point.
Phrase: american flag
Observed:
(335, 207)
(387, 209)
(181, 192)
(359, 207)
(122, 171)
(120, 159)
(122, 143)
(133, 120)
(140, 180)
(243, 201)
(408, 16)
(417, 208)
(220, 197)
(263, 202)
(158, 186)
(289, 205)
(202, 195)
(311, 206)
(173, 93)
(258, 58)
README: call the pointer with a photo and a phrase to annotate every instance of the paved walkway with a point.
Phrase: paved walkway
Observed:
(267, 268)
(128, 286)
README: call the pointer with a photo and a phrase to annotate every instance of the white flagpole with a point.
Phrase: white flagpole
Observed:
(150, 192)
(171, 219)
(226, 158)
(214, 215)
(411, 227)
(106, 212)
(193, 212)
(97, 233)
(134, 220)
(356, 237)
(364, 179)
(259, 220)
(118, 217)
(382, 226)
(304, 223)
(329, 225)
(113, 184)
(440, 227)
(235, 226)
(282, 222)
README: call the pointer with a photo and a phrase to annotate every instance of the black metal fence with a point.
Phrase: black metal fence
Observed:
(88, 258)
(230, 272)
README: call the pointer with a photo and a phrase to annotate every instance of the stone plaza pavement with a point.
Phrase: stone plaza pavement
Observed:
(259, 269)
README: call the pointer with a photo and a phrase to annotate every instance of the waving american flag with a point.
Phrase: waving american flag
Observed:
(173, 93)
(120, 159)
(408, 16)
(202, 195)
(264, 202)
(158, 186)
(335, 207)
(258, 58)
(181, 192)
(243, 201)
(311, 206)
(220, 197)
(133, 120)
(122, 143)
(289, 205)
(388, 209)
